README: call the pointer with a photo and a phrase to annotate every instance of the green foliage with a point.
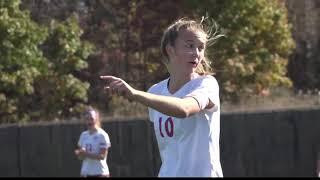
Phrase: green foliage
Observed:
(65, 49)
(38, 65)
(252, 58)
(66, 54)
(21, 59)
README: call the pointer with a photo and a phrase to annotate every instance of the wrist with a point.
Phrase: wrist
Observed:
(135, 95)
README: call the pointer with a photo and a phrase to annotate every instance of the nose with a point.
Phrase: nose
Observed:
(195, 52)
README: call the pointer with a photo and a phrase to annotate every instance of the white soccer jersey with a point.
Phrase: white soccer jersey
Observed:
(92, 143)
(189, 147)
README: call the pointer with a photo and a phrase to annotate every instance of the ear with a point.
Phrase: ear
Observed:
(170, 50)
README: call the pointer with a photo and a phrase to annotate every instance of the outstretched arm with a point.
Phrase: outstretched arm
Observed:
(171, 106)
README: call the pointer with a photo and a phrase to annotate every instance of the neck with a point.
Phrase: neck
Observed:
(177, 81)
(93, 129)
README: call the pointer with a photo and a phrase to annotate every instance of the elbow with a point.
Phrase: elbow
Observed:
(186, 111)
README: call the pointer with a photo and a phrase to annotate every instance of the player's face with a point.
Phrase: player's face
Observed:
(91, 118)
(188, 51)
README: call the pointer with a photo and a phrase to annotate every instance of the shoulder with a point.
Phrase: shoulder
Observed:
(103, 136)
(158, 86)
(102, 132)
(207, 80)
(211, 80)
(84, 133)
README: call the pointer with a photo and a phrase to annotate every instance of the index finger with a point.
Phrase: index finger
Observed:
(108, 77)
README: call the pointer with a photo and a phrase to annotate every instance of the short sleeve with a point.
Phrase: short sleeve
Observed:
(205, 91)
(105, 141)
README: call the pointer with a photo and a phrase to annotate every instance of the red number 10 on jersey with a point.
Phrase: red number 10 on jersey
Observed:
(168, 125)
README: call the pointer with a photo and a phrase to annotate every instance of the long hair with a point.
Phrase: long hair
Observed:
(171, 34)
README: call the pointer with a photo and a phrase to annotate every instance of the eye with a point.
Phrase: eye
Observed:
(201, 48)
(189, 45)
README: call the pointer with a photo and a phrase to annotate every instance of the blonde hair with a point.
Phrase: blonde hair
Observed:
(171, 34)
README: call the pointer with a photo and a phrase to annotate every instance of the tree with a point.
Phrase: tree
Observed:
(252, 58)
(21, 59)
(127, 36)
(34, 80)
(249, 60)
(59, 93)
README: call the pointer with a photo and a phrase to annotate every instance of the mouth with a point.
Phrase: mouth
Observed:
(194, 63)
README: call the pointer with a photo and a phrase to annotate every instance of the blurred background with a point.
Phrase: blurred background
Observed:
(53, 52)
